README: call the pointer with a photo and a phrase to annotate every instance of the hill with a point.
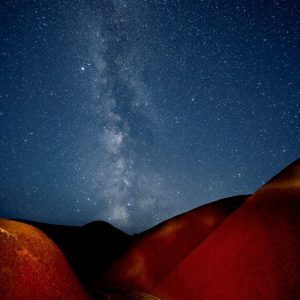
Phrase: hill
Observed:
(245, 247)
(89, 249)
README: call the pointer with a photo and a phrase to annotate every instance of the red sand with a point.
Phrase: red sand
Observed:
(32, 267)
(208, 253)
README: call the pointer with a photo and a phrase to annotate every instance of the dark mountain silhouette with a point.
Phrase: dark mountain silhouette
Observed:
(89, 249)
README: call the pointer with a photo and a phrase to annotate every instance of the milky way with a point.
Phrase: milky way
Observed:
(120, 100)
(135, 111)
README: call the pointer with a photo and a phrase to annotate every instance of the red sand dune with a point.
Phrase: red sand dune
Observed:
(32, 267)
(251, 251)
(158, 250)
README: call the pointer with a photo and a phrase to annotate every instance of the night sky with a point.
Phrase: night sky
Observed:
(135, 111)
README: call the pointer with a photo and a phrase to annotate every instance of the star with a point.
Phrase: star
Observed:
(96, 122)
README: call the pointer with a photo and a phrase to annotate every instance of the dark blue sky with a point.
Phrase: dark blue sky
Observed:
(135, 111)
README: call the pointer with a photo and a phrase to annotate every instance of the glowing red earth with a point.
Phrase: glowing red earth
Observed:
(239, 248)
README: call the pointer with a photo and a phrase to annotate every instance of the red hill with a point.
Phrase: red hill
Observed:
(239, 248)
(32, 267)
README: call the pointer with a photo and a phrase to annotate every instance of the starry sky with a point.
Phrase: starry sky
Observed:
(133, 111)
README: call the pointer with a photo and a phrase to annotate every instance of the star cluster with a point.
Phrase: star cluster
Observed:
(134, 111)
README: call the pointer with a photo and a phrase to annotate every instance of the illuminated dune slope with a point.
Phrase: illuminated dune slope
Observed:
(209, 253)
(32, 267)
(155, 253)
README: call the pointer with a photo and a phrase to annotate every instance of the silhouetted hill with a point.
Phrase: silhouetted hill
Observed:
(89, 249)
